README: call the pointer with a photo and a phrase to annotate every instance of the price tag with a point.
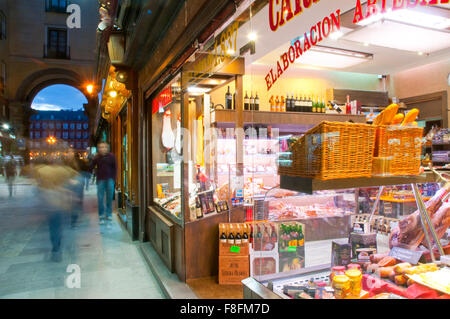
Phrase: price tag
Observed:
(235, 249)
(292, 248)
(406, 255)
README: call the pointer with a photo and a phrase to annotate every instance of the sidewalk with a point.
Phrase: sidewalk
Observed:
(111, 265)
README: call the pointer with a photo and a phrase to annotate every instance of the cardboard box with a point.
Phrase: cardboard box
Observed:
(225, 250)
(233, 269)
(362, 241)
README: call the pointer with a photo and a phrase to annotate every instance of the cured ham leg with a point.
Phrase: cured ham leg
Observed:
(409, 231)
(167, 136)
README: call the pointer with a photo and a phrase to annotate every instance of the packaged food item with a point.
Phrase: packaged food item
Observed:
(357, 266)
(355, 277)
(384, 272)
(363, 254)
(340, 253)
(341, 286)
(387, 261)
(401, 268)
(337, 270)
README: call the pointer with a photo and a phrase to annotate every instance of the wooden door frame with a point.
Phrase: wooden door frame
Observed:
(431, 97)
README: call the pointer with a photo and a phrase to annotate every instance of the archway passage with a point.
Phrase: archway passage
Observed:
(59, 97)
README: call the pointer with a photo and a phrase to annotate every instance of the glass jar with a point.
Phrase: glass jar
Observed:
(341, 286)
(354, 266)
(355, 277)
(337, 270)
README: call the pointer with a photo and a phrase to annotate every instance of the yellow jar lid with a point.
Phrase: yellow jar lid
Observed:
(340, 279)
(351, 273)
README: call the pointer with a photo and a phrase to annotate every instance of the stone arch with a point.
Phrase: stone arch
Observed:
(20, 108)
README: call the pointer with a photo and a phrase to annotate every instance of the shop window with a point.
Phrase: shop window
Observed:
(167, 151)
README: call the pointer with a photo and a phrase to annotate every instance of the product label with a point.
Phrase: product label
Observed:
(292, 248)
(235, 249)
(406, 255)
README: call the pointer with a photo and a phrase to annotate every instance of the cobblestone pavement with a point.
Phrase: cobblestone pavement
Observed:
(111, 265)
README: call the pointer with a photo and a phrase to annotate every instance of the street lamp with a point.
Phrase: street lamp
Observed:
(6, 126)
(90, 88)
(51, 140)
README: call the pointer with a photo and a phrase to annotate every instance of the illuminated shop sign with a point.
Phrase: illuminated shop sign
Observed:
(282, 11)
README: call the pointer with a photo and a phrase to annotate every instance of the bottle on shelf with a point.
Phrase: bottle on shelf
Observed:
(323, 106)
(234, 101)
(348, 106)
(277, 104)
(256, 102)
(230, 235)
(314, 105)
(272, 104)
(198, 208)
(297, 104)
(302, 103)
(228, 99)
(282, 105)
(252, 102)
(310, 104)
(246, 102)
(292, 102)
(288, 103)
(301, 241)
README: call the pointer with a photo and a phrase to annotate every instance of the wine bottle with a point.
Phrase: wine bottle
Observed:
(277, 104)
(228, 100)
(246, 102)
(238, 238)
(324, 108)
(288, 103)
(297, 104)
(252, 102)
(305, 104)
(301, 241)
(314, 104)
(230, 235)
(234, 101)
(256, 102)
(292, 102)
(198, 208)
(272, 104)
(283, 105)
(223, 236)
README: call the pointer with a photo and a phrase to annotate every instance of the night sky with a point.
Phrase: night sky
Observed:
(59, 97)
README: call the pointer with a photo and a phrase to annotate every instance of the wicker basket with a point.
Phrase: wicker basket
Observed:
(332, 150)
(402, 145)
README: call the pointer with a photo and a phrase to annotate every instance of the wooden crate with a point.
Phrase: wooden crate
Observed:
(225, 250)
(233, 269)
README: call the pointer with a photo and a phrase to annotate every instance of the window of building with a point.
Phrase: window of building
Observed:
(37, 134)
(72, 126)
(44, 125)
(56, 6)
(65, 135)
(58, 134)
(2, 26)
(31, 125)
(38, 125)
(65, 126)
(31, 134)
(72, 134)
(78, 145)
(44, 134)
(85, 126)
(79, 126)
(85, 144)
(78, 134)
(37, 144)
(51, 125)
(58, 125)
(57, 47)
(85, 135)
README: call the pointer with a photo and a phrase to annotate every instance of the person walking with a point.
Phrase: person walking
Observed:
(106, 172)
(74, 161)
(10, 174)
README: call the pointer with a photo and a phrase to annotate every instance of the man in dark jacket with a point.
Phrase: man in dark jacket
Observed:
(11, 172)
(106, 176)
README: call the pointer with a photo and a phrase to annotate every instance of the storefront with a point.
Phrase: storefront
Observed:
(265, 156)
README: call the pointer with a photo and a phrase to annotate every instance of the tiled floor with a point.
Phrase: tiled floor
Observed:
(208, 288)
(111, 266)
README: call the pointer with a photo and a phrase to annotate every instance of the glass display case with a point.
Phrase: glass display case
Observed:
(167, 151)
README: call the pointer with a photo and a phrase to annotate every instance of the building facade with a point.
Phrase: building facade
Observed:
(68, 128)
(39, 49)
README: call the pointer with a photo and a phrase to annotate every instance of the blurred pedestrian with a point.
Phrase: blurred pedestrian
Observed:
(74, 161)
(84, 170)
(54, 184)
(11, 172)
(106, 173)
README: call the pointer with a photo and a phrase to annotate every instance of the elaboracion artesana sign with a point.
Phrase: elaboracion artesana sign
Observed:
(283, 11)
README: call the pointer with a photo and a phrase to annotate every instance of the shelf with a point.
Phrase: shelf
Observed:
(283, 118)
(309, 185)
